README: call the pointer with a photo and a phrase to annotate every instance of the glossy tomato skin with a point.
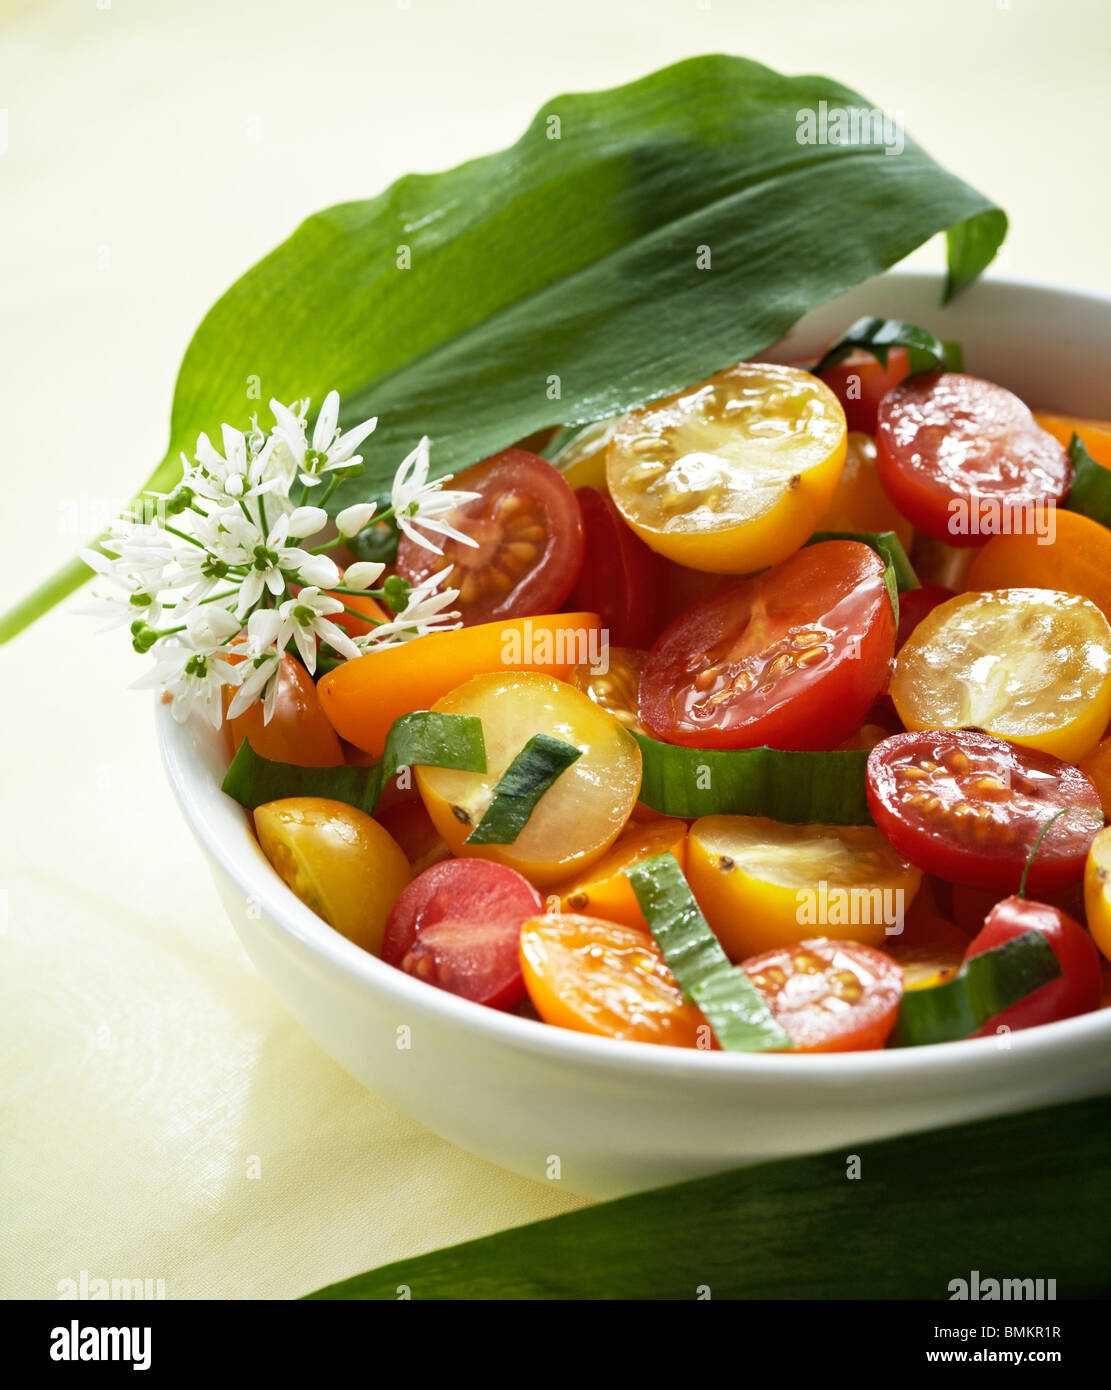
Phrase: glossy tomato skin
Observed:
(797, 983)
(529, 534)
(861, 381)
(1077, 990)
(458, 926)
(915, 604)
(948, 442)
(969, 807)
(299, 731)
(792, 658)
(621, 579)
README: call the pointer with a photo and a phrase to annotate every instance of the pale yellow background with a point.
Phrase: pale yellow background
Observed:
(155, 150)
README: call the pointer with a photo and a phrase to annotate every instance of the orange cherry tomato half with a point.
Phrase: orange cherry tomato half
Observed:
(604, 978)
(861, 381)
(793, 658)
(830, 996)
(298, 732)
(969, 808)
(949, 446)
(529, 535)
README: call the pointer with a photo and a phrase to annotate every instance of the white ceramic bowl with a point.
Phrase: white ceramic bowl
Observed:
(603, 1117)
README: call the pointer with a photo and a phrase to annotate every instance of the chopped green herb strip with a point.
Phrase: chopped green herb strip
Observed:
(879, 336)
(898, 572)
(576, 441)
(1090, 494)
(523, 783)
(798, 788)
(734, 1008)
(983, 987)
(421, 739)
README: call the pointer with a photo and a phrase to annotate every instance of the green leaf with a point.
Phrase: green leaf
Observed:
(421, 739)
(522, 784)
(879, 336)
(984, 986)
(794, 787)
(734, 1008)
(573, 258)
(1090, 494)
(993, 1196)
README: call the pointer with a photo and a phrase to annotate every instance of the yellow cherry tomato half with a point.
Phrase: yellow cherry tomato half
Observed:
(859, 501)
(342, 864)
(604, 889)
(579, 816)
(1097, 890)
(762, 884)
(604, 978)
(1032, 666)
(363, 697)
(733, 475)
(615, 689)
(583, 460)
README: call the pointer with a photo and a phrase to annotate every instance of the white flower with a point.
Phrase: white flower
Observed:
(272, 559)
(194, 668)
(263, 665)
(417, 502)
(236, 473)
(329, 449)
(362, 574)
(353, 519)
(305, 618)
(423, 613)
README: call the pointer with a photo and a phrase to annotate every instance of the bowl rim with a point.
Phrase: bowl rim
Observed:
(210, 815)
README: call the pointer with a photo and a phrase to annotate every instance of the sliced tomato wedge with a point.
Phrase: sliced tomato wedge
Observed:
(791, 659)
(950, 446)
(861, 381)
(529, 535)
(969, 807)
(623, 581)
(830, 996)
(458, 926)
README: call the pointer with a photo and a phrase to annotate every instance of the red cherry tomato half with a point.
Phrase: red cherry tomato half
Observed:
(830, 996)
(458, 926)
(622, 580)
(969, 808)
(529, 535)
(914, 604)
(860, 382)
(1077, 990)
(949, 446)
(792, 658)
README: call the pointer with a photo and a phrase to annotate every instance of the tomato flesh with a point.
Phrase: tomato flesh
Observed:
(458, 926)
(830, 996)
(949, 445)
(861, 381)
(969, 807)
(915, 604)
(1077, 990)
(299, 731)
(792, 658)
(529, 535)
(622, 580)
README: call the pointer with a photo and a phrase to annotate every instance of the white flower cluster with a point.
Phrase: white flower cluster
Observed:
(216, 579)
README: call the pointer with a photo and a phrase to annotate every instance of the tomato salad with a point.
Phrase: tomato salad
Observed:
(766, 725)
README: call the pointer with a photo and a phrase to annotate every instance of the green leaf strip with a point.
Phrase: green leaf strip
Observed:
(1090, 494)
(797, 788)
(522, 784)
(993, 1195)
(984, 986)
(734, 1008)
(879, 336)
(421, 739)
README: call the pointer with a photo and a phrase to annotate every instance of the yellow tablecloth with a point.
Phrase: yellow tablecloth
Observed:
(163, 1117)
